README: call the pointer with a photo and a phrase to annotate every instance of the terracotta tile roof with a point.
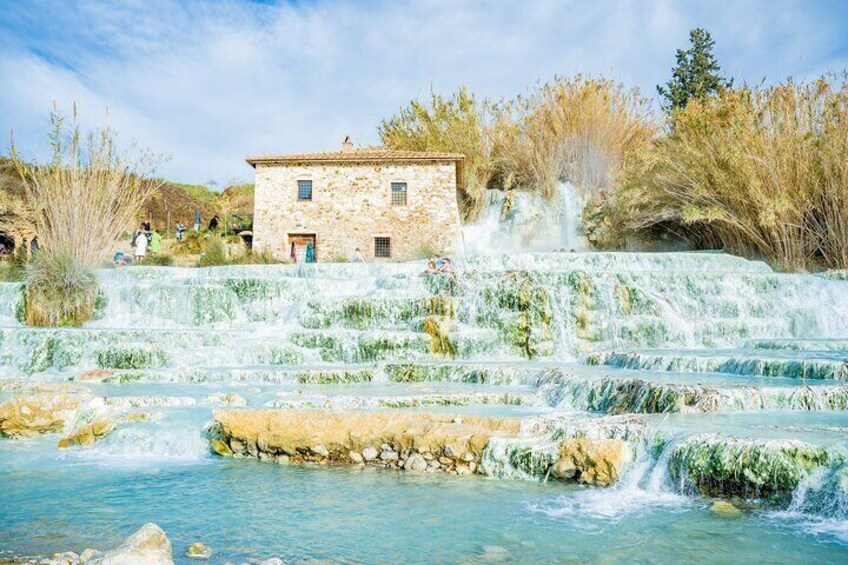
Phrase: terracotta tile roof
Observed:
(357, 156)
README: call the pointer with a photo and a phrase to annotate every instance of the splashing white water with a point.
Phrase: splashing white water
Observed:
(820, 503)
(530, 223)
(141, 445)
(644, 487)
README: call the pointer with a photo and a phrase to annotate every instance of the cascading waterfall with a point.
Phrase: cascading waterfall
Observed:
(526, 221)
(716, 372)
(10, 300)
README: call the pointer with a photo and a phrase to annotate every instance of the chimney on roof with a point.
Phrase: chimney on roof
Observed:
(347, 144)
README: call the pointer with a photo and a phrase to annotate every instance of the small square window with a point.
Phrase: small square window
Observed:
(304, 190)
(398, 194)
(382, 247)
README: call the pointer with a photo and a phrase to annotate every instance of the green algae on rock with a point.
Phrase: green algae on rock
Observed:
(132, 356)
(717, 465)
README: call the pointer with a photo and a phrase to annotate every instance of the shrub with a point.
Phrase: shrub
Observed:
(213, 253)
(216, 252)
(191, 244)
(156, 260)
(757, 171)
(456, 124)
(251, 257)
(9, 273)
(80, 202)
(13, 269)
(59, 291)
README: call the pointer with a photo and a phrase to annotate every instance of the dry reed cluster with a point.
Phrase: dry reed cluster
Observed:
(579, 129)
(458, 124)
(756, 171)
(79, 203)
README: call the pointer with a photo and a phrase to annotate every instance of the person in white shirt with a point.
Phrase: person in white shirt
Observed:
(140, 245)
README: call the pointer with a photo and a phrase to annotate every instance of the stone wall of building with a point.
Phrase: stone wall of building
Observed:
(352, 204)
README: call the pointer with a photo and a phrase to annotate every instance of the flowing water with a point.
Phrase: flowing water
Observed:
(728, 381)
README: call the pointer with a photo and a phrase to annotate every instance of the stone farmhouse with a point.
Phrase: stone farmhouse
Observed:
(388, 204)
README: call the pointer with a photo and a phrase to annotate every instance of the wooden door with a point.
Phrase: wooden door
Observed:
(300, 241)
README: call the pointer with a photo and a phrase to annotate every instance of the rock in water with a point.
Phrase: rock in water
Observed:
(599, 462)
(564, 469)
(198, 550)
(220, 447)
(148, 546)
(725, 508)
(320, 451)
(88, 434)
(415, 463)
(28, 416)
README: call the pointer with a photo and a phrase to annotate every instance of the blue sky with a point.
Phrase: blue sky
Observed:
(211, 82)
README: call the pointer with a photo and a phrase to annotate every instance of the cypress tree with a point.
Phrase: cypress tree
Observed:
(696, 74)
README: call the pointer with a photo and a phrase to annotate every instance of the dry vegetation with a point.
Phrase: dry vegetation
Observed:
(579, 129)
(89, 192)
(174, 202)
(78, 205)
(756, 171)
(458, 124)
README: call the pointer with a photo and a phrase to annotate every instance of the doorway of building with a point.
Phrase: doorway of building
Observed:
(301, 243)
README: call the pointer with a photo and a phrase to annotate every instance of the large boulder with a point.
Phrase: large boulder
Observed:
(88, 434)
(148, 546)
(597, 462)
(28, 416)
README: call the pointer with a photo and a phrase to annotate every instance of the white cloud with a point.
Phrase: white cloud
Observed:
(210, 83)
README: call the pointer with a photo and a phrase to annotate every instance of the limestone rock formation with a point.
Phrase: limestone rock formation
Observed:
(403, 440)
(148, 546)
(198, 550)
(88, 434)
(725, 508)
(597, 462)
(27, 416)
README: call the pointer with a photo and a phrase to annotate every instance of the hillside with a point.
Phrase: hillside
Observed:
(179, 202)
(171, 203)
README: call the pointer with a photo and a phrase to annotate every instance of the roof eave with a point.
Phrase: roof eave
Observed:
(253, 161)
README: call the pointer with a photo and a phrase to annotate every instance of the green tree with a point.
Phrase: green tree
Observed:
(697, 73)
(458, 123)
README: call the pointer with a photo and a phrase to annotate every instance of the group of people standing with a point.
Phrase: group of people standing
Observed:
(144, 240)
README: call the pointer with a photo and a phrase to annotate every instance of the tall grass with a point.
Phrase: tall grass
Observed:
(456, 123)
(89, 192)
(79, 203)
(578, 129)
(214, 252)
(59, 291)
(757, 171)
